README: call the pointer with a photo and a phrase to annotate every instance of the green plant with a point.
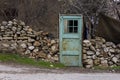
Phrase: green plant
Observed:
(107, 68)
(15, 58)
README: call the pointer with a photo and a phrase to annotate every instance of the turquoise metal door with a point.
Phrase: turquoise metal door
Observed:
(70, 35)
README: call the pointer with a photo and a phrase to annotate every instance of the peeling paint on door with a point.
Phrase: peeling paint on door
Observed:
(70, 29)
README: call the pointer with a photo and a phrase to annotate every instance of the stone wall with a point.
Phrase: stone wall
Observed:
(16, 37)
(98, 52)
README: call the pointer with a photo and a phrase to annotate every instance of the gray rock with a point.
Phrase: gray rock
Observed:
(86, 48)
(114, 46)
(96, 61)
(92, 48)
(103, 40)
(55, 58)
(6, 27)
(9, 25)
(5, 45)
(15, 23)
(19, 29)
(5, 35)
(14, 46)
(22, 23)
(102, 58)
(84, 56)
(117, 50)
(109, 54)
(23, 32)
(29, 44)
(110, 63)
(118, 45)
(36, 50)
(18, 33)
(37, 38)
(89, 62)
(90, 52)
(10, 32)
(23, 45)
(49, 56)
(89, 57)
(98, 45)
(118, 64)
(112, 50)
(22, 38)
(31, 40)
(36, 43)
(2, 27)
(14, 28)
(27, 27)
(10, 22)
(118, 56)
(104, 63)
(115, 59)
(31, 47)
(103, 46)
(14, 20)
(53, 41)
(7, 38)
(0, 37)
(106, 49)
(84, 51)
(88, 66)
(53, 48)
(27, 52)
(98, 53)
(112, 55)
(87, 43)
(98, 50)
(94, 57)
(4, 23)
(109, 44)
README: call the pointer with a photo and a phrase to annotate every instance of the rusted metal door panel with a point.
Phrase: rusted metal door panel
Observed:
(70, 60)
(70, 30)
(70, 44)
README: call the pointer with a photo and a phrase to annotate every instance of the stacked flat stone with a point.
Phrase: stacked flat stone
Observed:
(98, 52)
(16, 36)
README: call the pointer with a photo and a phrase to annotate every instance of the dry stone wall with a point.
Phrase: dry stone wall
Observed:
(98, 52)
(16, 37)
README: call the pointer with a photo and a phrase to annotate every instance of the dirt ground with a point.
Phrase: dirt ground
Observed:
(13, 71)
(33, 69)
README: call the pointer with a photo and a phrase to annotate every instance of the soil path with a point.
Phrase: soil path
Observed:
(20, 72)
